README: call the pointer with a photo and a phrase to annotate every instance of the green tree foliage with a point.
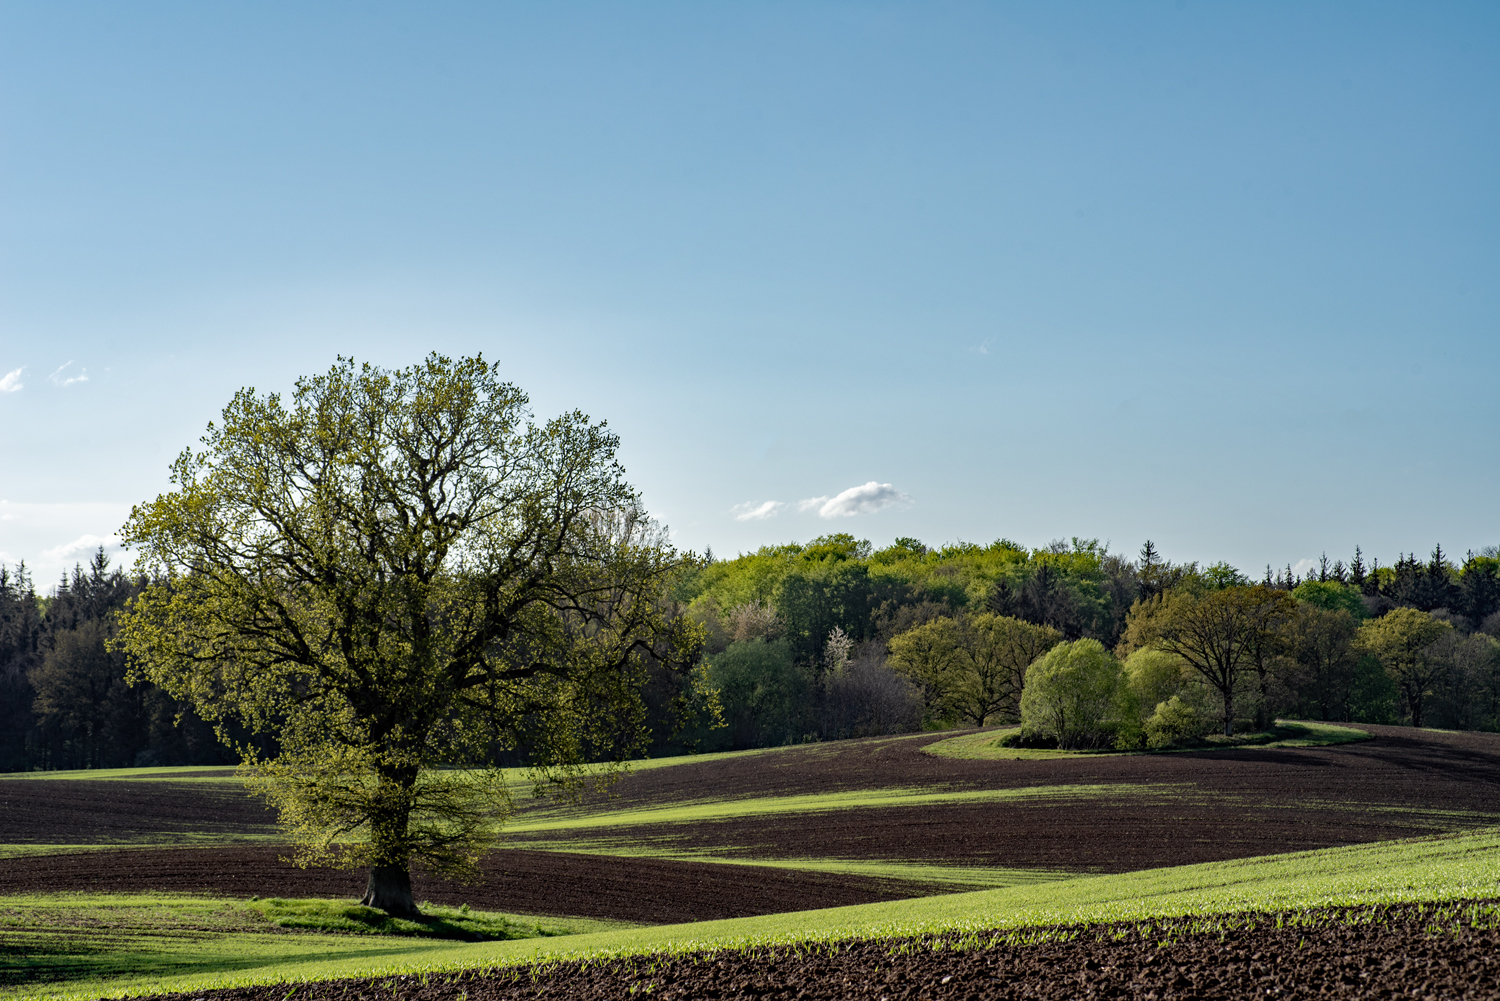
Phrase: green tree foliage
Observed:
(394, 572)
(1155, 676)
(1402, 640)
(81, 691)
(1174, 721)
(1321, 640)
(1332, 596)
(1224, 635)
(1076, 694)
(20, 650)
(972, 667)
(64, 700)
(1467, 686)
(765, 694)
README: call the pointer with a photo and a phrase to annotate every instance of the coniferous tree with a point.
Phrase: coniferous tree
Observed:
(1357, 569)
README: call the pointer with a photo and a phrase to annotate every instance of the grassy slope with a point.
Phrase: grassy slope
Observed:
(1448, 867)
(983, 746)
(101, 939)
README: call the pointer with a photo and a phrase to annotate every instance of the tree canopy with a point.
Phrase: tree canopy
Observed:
(395, 571)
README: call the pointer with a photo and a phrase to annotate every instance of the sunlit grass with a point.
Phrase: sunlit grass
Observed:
(985, 745)
(110, 941)
(699, 811)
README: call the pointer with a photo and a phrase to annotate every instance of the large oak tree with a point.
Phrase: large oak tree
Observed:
(395, 573)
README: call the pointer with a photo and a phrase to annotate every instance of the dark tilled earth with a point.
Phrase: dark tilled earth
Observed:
(1347, 954)
(650, 891)
(81, 812)
(1220, 805)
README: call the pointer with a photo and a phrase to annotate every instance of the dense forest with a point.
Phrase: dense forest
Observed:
(63, 694)
(835, 639)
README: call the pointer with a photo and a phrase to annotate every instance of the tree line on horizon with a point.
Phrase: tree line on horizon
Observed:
(834, 639)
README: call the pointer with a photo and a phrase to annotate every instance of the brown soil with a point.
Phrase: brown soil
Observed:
(651, 891)
(1345, 955)
(81, 812)
(1423, 769)
(1224, 804)
(1228, 804)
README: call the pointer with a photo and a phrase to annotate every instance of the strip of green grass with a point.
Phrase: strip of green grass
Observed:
(985, 746)
(154, 840)
(1436, 869)
(698, 811)
(934, 874)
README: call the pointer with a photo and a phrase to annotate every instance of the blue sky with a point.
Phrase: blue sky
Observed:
(1221, 275)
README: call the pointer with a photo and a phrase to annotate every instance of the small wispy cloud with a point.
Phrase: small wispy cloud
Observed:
(58, 379)
(10, 382)
(864, 499)
(984, 346)
(757, 510)
(82, 544)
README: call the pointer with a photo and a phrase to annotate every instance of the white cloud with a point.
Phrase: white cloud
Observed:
(80, 545)
(865, 499)
(10, 382)
(752, 511)
(1302, 566)
(58, 379)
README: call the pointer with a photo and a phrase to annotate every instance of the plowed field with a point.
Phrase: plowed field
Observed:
(1172, 809)
(652, 891)
(1129, 812)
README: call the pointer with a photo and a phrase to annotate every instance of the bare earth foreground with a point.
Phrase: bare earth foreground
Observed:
(1370, 953)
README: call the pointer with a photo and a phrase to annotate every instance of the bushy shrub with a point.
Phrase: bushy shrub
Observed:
(1175, 720)
(1076, 694)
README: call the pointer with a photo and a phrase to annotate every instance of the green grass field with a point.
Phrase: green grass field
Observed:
(86, 947)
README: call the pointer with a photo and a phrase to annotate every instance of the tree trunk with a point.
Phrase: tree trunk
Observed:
(389, 889)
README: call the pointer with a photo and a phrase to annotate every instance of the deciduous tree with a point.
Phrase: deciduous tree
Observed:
(974, 665)
(1400, 639)
(1221, 634)
(397, 571)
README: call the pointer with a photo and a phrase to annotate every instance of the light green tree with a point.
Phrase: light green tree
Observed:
(1400, 640)
(1331, 596)
(1077, 694)
(1156, 676)
(394, 572)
